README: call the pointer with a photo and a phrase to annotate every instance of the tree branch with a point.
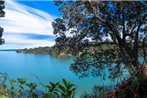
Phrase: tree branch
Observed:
(144, 52)
(113, 30)
(131, 32)
(122, 45)
(123, 24)
(135, 48)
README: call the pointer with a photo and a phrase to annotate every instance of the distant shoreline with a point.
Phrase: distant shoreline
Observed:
(64, 51)
(54, 51)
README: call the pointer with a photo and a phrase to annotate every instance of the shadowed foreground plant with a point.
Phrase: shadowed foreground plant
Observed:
(135, 88)
(12, 89)
(52, 90)
(32, 87)
(57, 90)
(21, 82)
(20, 88)
(67, 90)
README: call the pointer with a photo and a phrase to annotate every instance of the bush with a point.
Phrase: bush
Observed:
(20, 88)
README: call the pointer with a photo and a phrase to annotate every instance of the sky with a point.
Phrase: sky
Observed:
(28, 23)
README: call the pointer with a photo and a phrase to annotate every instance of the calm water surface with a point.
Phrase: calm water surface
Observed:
(47, 68)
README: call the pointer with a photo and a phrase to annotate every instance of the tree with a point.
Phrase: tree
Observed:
(124, 23)
(2, 14)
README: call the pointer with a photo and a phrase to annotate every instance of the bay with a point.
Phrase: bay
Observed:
(47, 68)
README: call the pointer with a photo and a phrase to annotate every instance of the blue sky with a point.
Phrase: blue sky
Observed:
(27, 23)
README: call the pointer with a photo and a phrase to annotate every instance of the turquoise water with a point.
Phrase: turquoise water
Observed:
(47, 68)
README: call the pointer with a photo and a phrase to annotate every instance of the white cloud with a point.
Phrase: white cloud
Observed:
(21, 18)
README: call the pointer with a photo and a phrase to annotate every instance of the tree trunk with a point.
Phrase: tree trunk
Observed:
(145, 71)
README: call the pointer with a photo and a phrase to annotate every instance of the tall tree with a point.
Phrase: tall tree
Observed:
(2, 14)
(124, 23)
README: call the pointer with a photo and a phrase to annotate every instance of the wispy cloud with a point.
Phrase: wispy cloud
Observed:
(33, 36)
(24, 24)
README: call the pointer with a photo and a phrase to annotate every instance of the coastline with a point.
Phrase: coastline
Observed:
(54, 51)
(65, 51)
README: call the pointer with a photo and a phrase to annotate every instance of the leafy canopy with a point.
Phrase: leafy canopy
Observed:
(118, 29)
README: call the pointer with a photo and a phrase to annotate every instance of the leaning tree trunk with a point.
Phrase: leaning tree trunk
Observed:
(145, 71)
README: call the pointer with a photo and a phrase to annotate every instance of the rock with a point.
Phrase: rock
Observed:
(62, 55)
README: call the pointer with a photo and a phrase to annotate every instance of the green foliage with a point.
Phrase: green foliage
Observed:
(48, 95)
(67, 89)
(52, 89)
(57, 90)
(122, 23)
(32, 87)
(4, 91)
(20, 88)
(21, 82)
(12, 88)
(137, 88)
(2, 96)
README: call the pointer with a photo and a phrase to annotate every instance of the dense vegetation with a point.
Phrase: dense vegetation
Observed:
(64, 51)
(20, 88)
(122, 23)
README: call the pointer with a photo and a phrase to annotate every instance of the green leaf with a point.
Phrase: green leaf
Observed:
(52, 84)
(62, 88)
(73, 89)
(1, 96)
(12, 82)
(65, 82)
(69, 93)
(48, 95)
